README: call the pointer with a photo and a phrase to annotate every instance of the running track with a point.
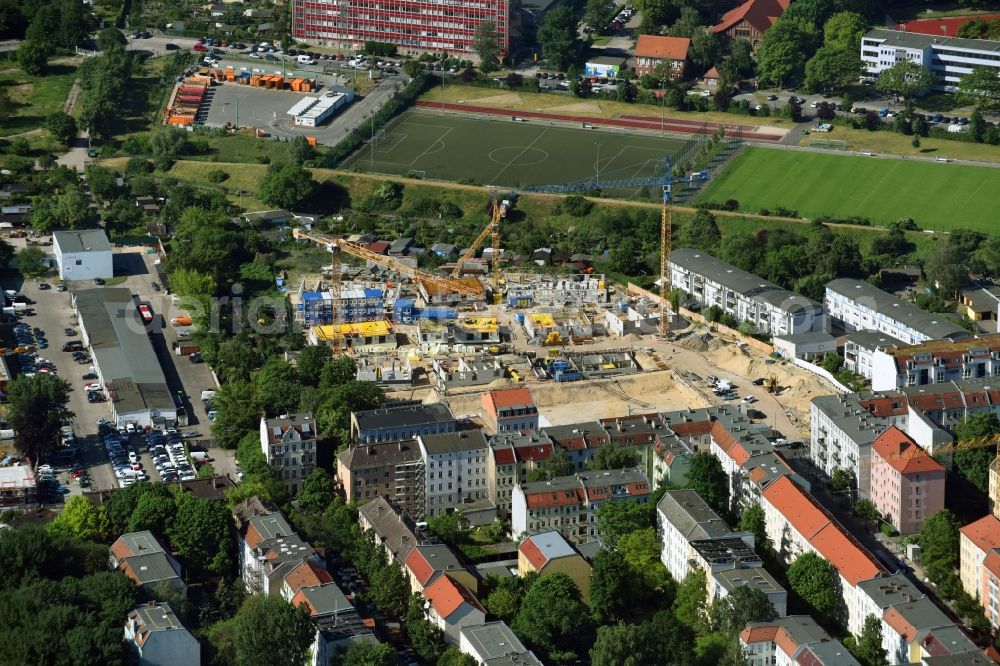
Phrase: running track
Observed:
(747, 132)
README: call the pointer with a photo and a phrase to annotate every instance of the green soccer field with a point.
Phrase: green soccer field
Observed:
(939, 197)
(505, 153)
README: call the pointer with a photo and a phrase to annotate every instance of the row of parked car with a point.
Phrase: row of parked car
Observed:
(167, 451)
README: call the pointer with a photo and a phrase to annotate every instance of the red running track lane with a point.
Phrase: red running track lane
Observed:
(684, 127)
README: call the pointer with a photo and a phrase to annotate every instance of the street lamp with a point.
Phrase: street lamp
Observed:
(597, 165)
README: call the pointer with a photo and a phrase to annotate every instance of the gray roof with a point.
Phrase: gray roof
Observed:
(757, 578)
(912, 40)
(922, 613)
(854, 421)
(271, 526)
(805, 633)
(402, 417)
(873, 340)
(885, 591)
(832, 653)
(961, 659)
(983, 298)
(934, 326)
(122, 350)
(692, 516)
(552, 545)
(440, 557)
(451, 442)
(327, 599)
(157, 616)
(495, 640)
(152, 567)
(141, 543)
(85, 240)
(740, 281)
(378, 455)
(392, 524)
(587, 480)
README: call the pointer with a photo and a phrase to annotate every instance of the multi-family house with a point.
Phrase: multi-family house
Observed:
(568, 504)
(550, 552)
(455, 466)
(269, 548)
(399, 422)
(336, 619)
(393, 528)
(141, 557)
(860, 348)
(727, 581)
(511, 457)
(289, 445)
(493, 643)
(428, 562)
(976, 541)
(579, 441)
(935, 362)
(907, 485)
(796, 524)
(510, 411)
(747, 297)
(860, 306)
(682, 518)
(790, 641)
(451, 606)
(388, 469)
(156, 637)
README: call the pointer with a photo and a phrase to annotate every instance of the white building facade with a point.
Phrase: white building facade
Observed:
(948, 58)
(82, 255)
(455, 465)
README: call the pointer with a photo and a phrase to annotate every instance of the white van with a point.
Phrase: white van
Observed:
(305, 60)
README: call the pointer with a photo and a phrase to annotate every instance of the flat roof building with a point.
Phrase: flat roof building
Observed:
(127, 366)
(403, 421)
(82, 255)
(948, 58)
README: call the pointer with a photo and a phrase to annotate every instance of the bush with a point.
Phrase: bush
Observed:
(889, 530)
(577, 206)
(218, 176)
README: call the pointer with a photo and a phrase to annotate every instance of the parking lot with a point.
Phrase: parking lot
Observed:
(53, 314)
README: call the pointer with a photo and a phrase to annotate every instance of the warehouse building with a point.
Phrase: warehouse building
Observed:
(127, 367)
(314, 111)
(82, 255)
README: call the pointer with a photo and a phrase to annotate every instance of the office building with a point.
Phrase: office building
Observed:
(948, 58)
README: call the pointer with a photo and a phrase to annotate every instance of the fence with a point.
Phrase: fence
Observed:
(816, 370)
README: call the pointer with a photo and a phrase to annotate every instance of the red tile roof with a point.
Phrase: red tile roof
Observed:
(662, 48)
(307, 574)
(518, 397)
(379, 247)
(532, 553)
(419, 566)
(545, 499)
(760, 14)
(984, 533)
(793, 503)
(992, 563)
(446, 595)
(903, 454)
(534, 452)
(690, 429)
(503, 455)
(785, 642)
(751, 635)
(849, 558)
(900, 624)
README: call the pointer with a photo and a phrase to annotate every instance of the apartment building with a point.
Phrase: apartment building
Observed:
(935, 362)
(860, 306)
(393, 528)
(792, 640)
(451, 607)
(397, 422)
(579, 441)
(268, 550)
(683, 517)
(155, 636)
(976, 541)
(568, 504)
(426, 563)
(989, 587)
(511, 458)
(747, 297)
(907, 485)
(335, 618)
(495, 643)
(456, 468)
(314, 307)
(413, 26)
(550, 552)
(289, 446)
(510, 410)
(394, 470)
(141, 557)
(860, 348)
(796, 524)
(948, 58)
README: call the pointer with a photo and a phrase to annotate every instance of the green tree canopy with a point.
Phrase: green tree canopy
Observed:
(784, 50)
(702, 232)
(611, 587)
(31, 261)
(364, 653)
(844, 30)
(36, 407)
(202, 535)
(905, 79)
(83, 519)
(558, 37)
(62, 126)
(238, 412)
(691, 603)
(813, 579)
(553, 620)
(939, 541)
(286, 186)
(616, 519)
(317, 492)
(641, 550)
(426, 638)
(868, 645)
(743, 605)
(271, 632)
(33, 58)
(612, 456)
(980, 88)
(484, 43)
(832, 68)
(752, 520)
(707, 478)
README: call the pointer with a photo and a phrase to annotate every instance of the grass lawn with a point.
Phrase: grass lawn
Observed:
(241, 147)
(558, 103)
(893, 143)
(503, 153)
(33, 98)
(938, 196)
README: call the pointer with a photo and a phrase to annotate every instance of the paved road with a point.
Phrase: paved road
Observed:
(76, 157)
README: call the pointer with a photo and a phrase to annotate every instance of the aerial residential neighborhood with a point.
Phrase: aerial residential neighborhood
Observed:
(496, 333)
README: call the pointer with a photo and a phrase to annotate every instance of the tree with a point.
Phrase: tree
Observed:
(484, 43)
(277, 387)
(946, 268)
(83, 519)
(504, 601)
(616, 519)
(300, 151)
(317, 491)
(833, 68)
(426, 638)
(939, 543)
(287, 186)
(905, 79)
(109, 37)
(867, 511)
(364, 653)
(973, 464)
(844, 30)
(743, 250)
(842, 481)
(980, 88)
(63, 127)
(36, 407)
(661, 640)
(167, 144)
(752, 520)
(32, 263)
(702, 232)
(271, 632)
(705, 49)
(553, 620)
(832, 363)
(455, 657)
(613, 457)
(641, 550)
(813, 12)
(448, 526)
(389, 590)
(740, 607)
(237, 410)
(813, 579)
(784, 50)
(691, 603)
(868, 645)
(610, 587)
(201, 533)
(153, 512)
(558, 37)
(707, 478)
(33, 58)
